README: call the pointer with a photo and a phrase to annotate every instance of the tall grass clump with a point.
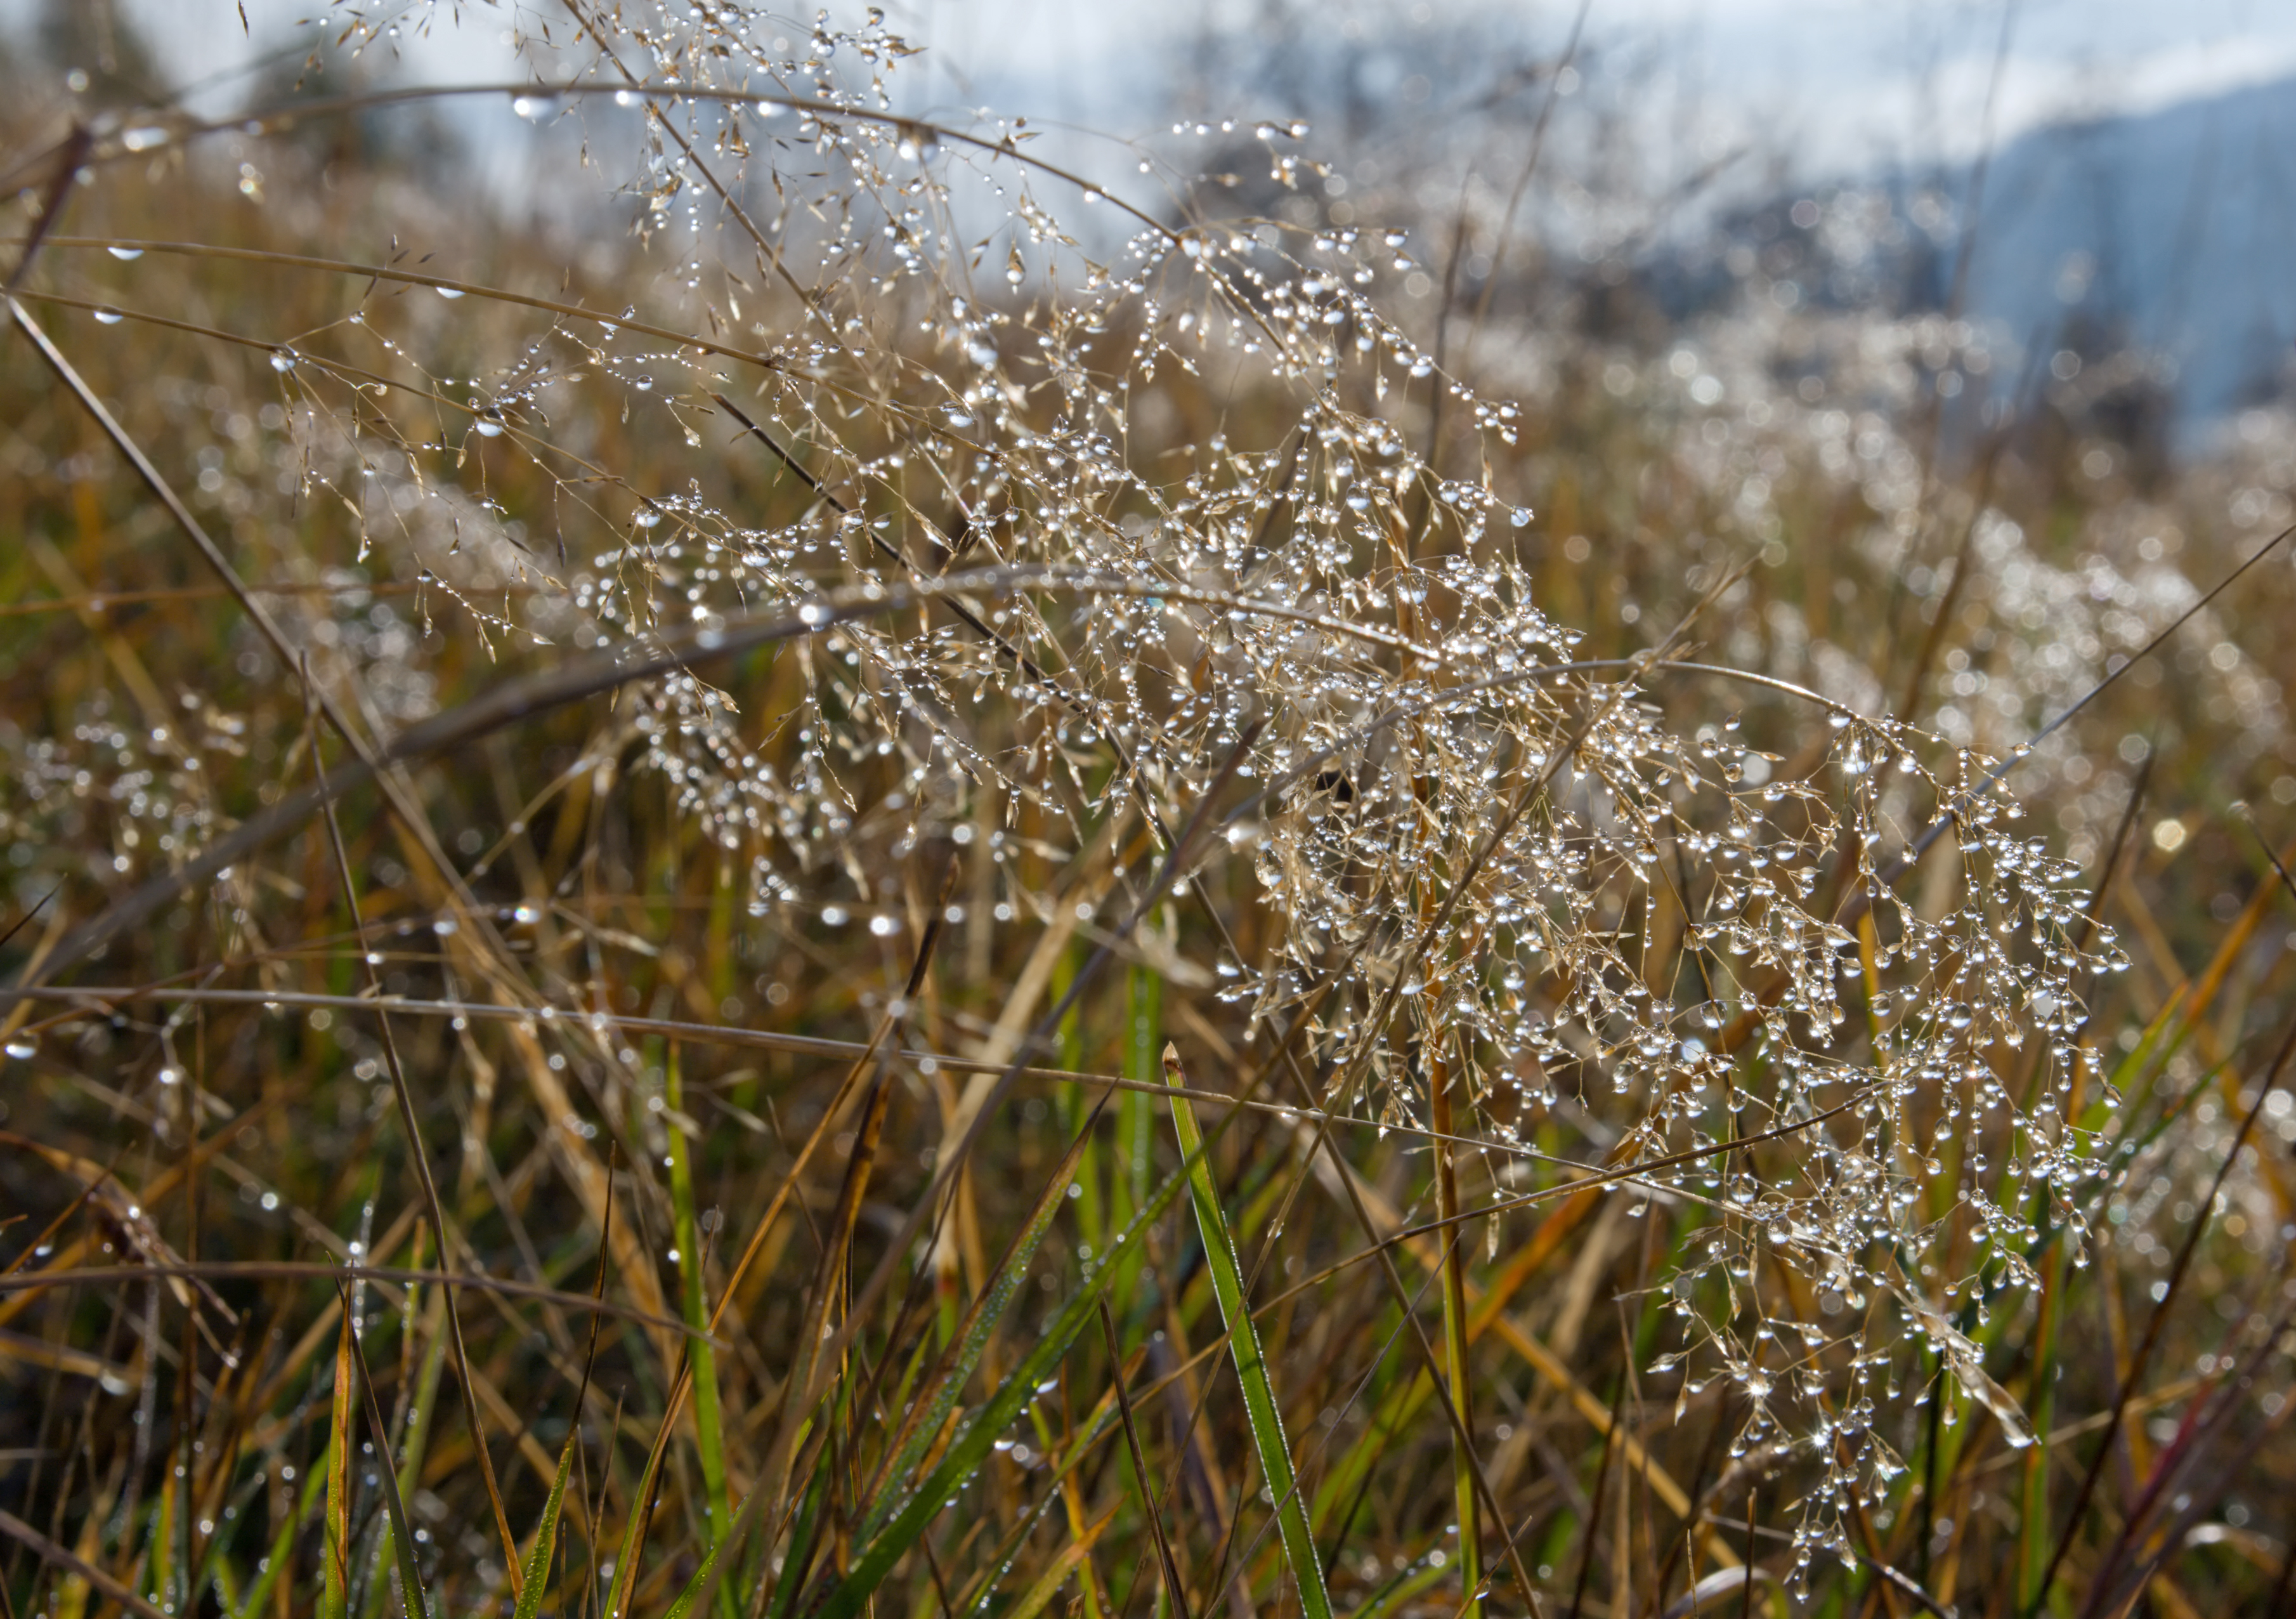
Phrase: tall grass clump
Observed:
(928, 883)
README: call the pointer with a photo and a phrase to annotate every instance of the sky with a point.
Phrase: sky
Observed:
(1811, 90)
(1835, 85)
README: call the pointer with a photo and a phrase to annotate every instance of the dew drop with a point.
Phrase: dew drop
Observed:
(109, 316)
(127, 255)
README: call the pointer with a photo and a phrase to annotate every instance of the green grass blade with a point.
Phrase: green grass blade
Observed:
(707, 1422)
(931, 1411)
(706, 1578)
(702, 1579)
(419, 1419)
(545, 1537)
(802, 1536)
(970, 1448)
(626, 1554)
(401, 1533)
(887, 1543)
(1136, 1110)
(1243, 1344)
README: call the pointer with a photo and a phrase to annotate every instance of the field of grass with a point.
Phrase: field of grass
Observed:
(863, 881)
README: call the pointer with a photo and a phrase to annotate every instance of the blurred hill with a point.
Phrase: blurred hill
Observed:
(2165, 233)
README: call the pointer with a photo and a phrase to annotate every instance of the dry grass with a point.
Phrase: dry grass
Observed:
(678, 1115)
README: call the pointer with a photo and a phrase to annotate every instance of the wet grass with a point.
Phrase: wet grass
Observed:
(1060, 1190)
